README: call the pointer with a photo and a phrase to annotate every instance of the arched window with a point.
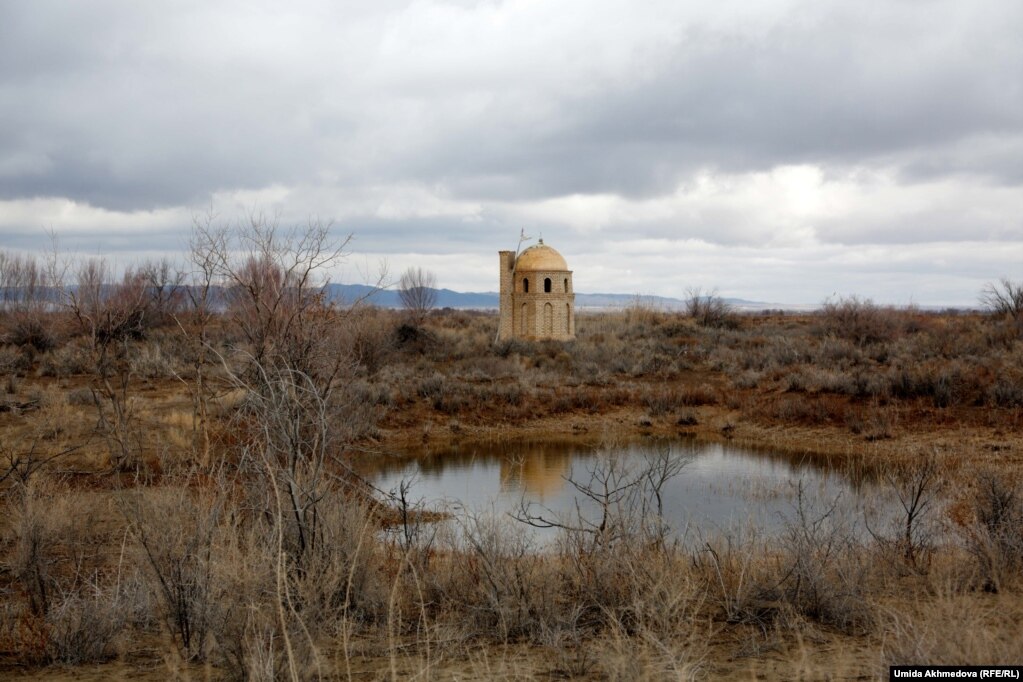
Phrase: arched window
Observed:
(568, 317)
(524, 320)
(566, 285)
(547, 285)
(525, 285)
(548, 320)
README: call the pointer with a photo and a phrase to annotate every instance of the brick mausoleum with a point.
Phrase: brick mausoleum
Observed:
(536, 295)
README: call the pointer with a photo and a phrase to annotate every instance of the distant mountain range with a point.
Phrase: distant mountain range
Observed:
(446, 298)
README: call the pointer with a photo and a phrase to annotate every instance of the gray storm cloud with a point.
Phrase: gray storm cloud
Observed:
(428, 126)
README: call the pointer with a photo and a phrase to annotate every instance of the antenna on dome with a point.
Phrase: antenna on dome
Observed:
(522, 238)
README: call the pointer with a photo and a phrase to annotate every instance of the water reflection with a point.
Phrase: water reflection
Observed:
(720, 486)
(541, 472)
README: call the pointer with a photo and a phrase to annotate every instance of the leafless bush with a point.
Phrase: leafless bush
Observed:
(504, 586)
(70, 359)
(1007, 390)
(995, 539)
(824, 572)
(151, 362)
(911, 535)
(37, 536)
(625, 656)
(661, 401)
(84, 625)
(1004, 298)
(615, 544)
(709, 309)
(25, 294)
(174, 528)
(371, 338)
(14, 360)
(859, 320)
(67, 610)
(417, 290)
(738, 578)
(274, 281)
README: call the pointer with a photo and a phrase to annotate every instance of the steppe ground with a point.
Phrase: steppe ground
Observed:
(181, 495)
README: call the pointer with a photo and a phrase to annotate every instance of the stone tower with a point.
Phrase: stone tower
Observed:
(537, 301)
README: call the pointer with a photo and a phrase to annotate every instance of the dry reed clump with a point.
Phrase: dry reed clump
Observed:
(666, 400)
(651, 655)
(492, 582)
(815, 571)
(800, 409)
(952, 628)
(232, 581)
(151, 361)
(874, 422)
(65, 607)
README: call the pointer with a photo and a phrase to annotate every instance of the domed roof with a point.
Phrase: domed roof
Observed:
(540, 257)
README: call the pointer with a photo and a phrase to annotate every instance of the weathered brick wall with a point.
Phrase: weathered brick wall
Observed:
(505, 329)
(531, 316)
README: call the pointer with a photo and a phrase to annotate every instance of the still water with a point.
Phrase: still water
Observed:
(712, 487)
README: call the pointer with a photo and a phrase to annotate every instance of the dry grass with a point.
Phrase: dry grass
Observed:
(193, 504)
(219, 584)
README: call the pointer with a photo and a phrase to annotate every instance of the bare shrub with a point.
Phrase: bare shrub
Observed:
(1004, 298)
(624, 654)
(995, 538)
(66, 610)
(1007, 390)
(504, 586)
(53, 548)
(371, 334)
(661, 401)
(709, 309)
(165, 295)
(37, 538)
(859, 320)
(112, 317)
(14, 360)
(73, 358)
(747, 380)
(738, 579)
(417, 290)
(616, 550)
(174, 529)
(823, 575)
(274, 281)
(694, 396)
(910, 536)
(253, 622)
(25, 295)
(84, 625)
(151, 362)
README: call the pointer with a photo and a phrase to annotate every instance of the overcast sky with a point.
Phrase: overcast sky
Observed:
(776, 151)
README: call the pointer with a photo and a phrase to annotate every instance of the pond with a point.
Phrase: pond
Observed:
(707, 488)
